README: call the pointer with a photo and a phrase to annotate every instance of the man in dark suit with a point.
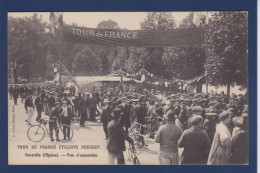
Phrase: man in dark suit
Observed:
(116, 139)
(83, 110)
(106, 115)
(15, 94)
(39, 105)
(66, 115)
(126, 112)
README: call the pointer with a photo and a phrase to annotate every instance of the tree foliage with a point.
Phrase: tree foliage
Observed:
(157, 21)
(27, 45)
(108, 24)
(185, 62)
(228, 48)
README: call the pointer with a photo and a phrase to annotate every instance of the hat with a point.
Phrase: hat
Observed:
(168, 102)
(195, 100)
(212, 103)
(64, 101)
(135, 100)
(196, 119)
(184, 101)
(244, 114)
(211, 114)
(57, 103)
(197, 109)
(238, 121)
(116, 113)
(169, 116)
(106, 100)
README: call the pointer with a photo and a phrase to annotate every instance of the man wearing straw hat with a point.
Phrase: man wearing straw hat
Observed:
(116, 139)
(106, 116)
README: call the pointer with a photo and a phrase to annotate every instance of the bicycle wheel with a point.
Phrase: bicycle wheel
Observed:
(65, 132)
(140, 144)
(36, 133)
(136, 161)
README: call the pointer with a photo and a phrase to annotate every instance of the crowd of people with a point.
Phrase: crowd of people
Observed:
(211, 128)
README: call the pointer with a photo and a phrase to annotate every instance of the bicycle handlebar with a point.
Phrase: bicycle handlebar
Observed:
(139, 124)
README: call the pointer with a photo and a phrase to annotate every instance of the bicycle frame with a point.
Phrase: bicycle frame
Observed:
(131, 154)
(45, 128)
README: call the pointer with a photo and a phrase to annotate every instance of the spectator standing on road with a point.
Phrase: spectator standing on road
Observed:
(76, 101)
(126, 111)
(10, 90)
(66, 115)
(15, 95)
(29, 108)
(221, 145)
(195, 142)
(239, 146)
(106, 116)
(39, 105)
(54, 115)
(116, 139)
(140, 114)
(83, 110)
(168, 136)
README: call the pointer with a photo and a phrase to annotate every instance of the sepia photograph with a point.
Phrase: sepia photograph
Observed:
(128, 88)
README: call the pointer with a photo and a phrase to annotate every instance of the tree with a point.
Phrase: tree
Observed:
(185, 62)
(27, 45)
(85, 63)
(108, 24)
(157, 21)
(228, 49)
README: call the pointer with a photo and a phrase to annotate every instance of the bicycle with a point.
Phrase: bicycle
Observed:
(132, 156)
(139, 139)
(152, 126)
(36, 133)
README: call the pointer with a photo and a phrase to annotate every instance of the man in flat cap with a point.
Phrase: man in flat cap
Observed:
(209, 124)
(168, 136)
(116, 139)
(195, 142)
(196, 110)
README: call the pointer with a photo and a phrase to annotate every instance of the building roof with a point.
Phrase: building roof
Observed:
(101, 79)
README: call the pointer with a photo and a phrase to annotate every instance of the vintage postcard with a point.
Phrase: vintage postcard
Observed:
(128, 88)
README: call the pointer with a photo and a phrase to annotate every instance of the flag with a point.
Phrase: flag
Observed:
(200, 18)
(56, 18)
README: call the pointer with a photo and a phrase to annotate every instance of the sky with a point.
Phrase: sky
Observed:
(125, 20)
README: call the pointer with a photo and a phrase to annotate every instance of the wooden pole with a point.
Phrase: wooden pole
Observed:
(206, 68)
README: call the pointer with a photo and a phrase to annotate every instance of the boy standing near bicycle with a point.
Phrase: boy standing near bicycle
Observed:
(66, 115)
(54, 115)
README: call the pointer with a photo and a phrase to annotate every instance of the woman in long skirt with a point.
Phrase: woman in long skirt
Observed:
(221, 145)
